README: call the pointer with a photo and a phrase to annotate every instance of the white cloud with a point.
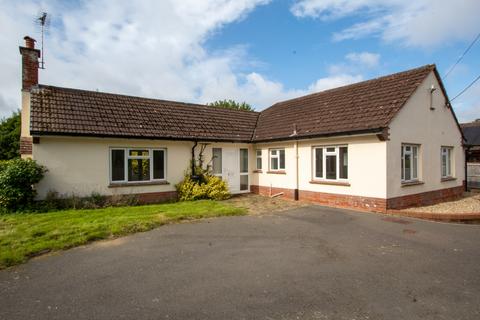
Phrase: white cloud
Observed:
(367, 59)
(421, 23)
(334, 81)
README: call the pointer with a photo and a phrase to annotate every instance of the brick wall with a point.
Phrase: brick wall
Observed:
(425, 198)
(365, 203)
(156, 197)
(344, 201)
(29, 67)
(328, 199)
(266, 191)
(26, 145)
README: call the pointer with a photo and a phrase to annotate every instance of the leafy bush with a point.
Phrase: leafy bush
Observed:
(203, 186)
(17, 178)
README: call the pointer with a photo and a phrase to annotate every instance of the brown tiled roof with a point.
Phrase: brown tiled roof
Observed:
(62, 111)
(367, 106)
(359, 107)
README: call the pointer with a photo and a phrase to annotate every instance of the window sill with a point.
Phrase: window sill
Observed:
(448, 179)
(412, 183)
(332, 183)
(276, 172)
(137, 184)
(257, 171)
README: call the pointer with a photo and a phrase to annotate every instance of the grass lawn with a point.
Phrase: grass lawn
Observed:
(25, 235)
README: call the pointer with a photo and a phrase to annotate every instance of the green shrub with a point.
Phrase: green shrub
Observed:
(204, 186)
(17, 178)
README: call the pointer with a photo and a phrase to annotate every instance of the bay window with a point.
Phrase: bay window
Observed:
(446, 157)
(330, 163)
(409, 162)
(277, 159)
(137, 165)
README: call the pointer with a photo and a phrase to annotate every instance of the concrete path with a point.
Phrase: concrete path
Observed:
(306, 263)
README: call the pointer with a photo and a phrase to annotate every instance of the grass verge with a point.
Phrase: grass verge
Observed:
(23, 236)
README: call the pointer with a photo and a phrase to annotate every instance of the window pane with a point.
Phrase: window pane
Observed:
(259, 159)
(273, 152)
(449, 161)
(282, 159)
(274, 164)
(138, 169)
(331, 167)
(408, 167)
(444, 165)
(158, 164)
(217, 160)
(319, 163)
(244, 182)
(402, 167)
(330, 149)
(414, 162)
(243, 160)
(343, 165)
(139, 153)
(118, 165)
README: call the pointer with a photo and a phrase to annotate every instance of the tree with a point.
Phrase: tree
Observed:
(231, 104)
(10, 137)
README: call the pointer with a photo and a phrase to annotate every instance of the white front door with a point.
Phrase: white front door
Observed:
(231, 168)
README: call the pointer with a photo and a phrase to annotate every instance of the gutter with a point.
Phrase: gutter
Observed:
(324, 135)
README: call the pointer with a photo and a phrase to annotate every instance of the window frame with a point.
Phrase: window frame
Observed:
(127, 157)
(244, 173)
(258, 157)
(449, 167)
(218, 174)
(326, 153)
(412, 159)
(277, 156)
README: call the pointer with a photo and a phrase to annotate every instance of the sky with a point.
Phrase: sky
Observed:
(257, 51)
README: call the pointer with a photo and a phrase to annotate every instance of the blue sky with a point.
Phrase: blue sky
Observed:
(257, 51)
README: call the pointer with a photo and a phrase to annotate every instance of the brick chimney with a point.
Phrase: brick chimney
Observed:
(30, 57)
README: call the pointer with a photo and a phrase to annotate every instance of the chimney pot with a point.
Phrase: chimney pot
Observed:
(29, 42)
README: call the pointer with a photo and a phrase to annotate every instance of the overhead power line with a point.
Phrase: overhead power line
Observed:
(466, 88)
(463, 55)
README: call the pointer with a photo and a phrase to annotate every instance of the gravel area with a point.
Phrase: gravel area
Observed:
(261, 205)
(469, 203)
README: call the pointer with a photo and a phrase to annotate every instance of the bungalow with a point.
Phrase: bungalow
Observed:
(389, 142)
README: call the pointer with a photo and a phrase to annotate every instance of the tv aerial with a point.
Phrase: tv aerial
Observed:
(43, 20)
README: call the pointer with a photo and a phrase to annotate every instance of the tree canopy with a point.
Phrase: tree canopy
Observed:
(10, 137)
(231, 104)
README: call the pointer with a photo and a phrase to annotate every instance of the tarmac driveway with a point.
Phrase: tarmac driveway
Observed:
(306, 263)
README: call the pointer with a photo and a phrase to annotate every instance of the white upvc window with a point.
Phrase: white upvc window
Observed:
(277, 159)
(258, 159)
(244, 169)
(217, 161)
(409, 162)
(330, 163)
(137, 165)
(446, 157)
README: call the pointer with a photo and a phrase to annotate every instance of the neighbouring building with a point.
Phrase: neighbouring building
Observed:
(471, 131)
(390, 142)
